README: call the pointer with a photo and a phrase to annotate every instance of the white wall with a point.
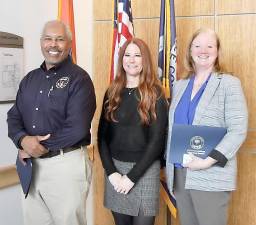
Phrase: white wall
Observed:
(26, 18)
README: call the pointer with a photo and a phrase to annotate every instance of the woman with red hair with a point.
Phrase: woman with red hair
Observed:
(131, 137)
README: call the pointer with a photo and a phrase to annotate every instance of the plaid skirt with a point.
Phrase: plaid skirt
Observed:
(143, 197)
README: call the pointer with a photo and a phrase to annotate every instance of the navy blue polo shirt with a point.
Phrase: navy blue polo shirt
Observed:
(59, 101)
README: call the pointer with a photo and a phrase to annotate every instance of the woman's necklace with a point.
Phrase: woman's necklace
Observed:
(130, 90)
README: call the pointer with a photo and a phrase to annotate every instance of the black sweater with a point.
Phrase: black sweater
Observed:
(128, 140)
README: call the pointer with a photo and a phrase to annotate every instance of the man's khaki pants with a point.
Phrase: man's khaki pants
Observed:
(59, 190)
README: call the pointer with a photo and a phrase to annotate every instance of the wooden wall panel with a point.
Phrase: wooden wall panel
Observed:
(147, 31)
(103, 10)
(185, 28)
(161, 219)
(140, 9)
(238, 37)
(101, 58)
(194, 7)
(243, 201)
(8, 176)
(145, 8)
(235, 7)
(250, 143)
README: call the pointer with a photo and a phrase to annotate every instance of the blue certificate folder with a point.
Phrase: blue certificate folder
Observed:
(198, 140)
(25, 174)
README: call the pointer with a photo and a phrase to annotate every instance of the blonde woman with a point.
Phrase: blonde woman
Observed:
(210, 97)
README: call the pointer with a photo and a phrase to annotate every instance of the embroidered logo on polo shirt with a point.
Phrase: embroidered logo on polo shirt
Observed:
(62, 82)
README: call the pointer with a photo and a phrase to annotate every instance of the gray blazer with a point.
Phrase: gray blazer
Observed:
(222, 105)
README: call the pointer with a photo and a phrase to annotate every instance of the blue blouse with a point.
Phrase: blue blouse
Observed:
(185, 110)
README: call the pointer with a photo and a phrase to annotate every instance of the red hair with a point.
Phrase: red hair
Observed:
(149, 88)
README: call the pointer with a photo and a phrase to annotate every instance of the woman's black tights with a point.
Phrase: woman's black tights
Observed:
(122, 219)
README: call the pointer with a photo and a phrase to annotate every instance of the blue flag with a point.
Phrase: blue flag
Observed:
(173, 55)
(167, 73)
(167, 48)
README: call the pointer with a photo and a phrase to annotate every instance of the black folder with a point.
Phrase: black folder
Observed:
(198, 140)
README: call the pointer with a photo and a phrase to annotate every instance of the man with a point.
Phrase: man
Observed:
(50, 123)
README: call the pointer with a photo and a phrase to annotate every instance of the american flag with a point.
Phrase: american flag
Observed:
(123, 30)
(66, 15)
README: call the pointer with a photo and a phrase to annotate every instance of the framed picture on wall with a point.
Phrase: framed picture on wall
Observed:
(11, 65)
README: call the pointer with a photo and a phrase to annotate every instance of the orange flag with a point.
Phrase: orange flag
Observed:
(66, 14)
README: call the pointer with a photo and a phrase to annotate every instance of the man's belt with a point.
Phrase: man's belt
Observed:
(62, 151)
